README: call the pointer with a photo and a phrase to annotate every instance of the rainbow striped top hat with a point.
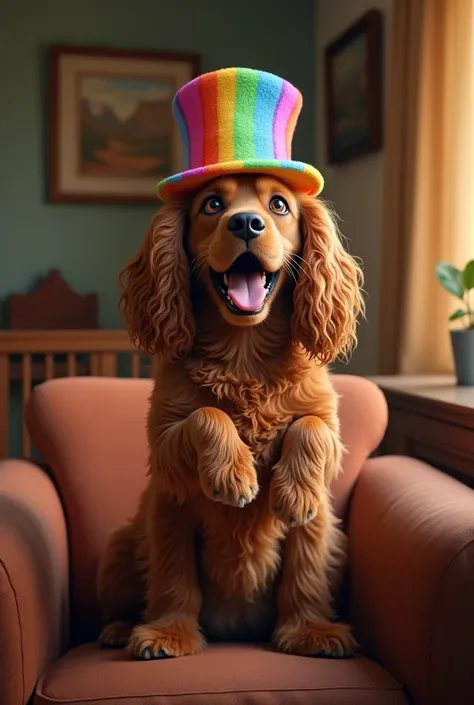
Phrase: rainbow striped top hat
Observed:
(238, 120)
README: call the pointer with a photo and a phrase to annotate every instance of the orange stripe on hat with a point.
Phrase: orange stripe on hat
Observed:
(208, 90)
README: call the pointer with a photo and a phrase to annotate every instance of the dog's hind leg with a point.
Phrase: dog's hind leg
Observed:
(121, 587)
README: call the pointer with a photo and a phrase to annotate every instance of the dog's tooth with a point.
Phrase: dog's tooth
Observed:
(264, 278)
(226, 280)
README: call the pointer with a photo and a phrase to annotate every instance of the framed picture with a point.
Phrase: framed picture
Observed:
(353, 63)
(112, 133)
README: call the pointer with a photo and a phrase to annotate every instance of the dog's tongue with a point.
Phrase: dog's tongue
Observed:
(246, 290)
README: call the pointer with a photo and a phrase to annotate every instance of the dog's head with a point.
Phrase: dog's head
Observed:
(242, 236)
(247, 240)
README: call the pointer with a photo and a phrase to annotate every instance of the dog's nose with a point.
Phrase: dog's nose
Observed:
(246, 226)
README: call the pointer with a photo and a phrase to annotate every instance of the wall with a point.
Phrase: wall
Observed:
(356, 187)
(90, 243)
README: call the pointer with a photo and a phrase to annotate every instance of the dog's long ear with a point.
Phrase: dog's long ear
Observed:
(156, 288)
(327, 299)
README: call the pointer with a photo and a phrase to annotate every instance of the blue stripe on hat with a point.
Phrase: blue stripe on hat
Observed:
(296, 166)
(269, 89)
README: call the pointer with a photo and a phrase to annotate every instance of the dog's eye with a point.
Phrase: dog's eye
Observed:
(212, 205)
(278, 205)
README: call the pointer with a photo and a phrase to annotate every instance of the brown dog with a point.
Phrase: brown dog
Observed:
(245, 294)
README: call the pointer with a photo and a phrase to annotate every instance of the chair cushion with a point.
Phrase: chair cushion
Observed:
(224, 674)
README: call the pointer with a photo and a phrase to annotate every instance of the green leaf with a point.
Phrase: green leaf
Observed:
(457, 314)
(450, 279)
(468, 275)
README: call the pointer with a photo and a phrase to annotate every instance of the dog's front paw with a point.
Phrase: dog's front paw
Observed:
(293, 500)
(158, 640)
(228, 475)
(320, 638)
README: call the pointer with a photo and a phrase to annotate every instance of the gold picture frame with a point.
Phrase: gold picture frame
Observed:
(112, 134)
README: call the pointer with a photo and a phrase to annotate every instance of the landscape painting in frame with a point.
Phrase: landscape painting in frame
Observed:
(354, 90)
(112, 132)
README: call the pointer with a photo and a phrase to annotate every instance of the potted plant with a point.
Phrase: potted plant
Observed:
(460, 283)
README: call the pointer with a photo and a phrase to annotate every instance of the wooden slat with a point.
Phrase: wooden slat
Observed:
(4, 405)
(49, 366)
(95, 364)
(135, 365)
(108, 364)
(35, 351)
(71, 365)
(59, 341)
(38, 370)
(25, 393)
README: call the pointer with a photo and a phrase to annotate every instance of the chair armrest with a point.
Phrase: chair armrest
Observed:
(34, 589)
(411, 553)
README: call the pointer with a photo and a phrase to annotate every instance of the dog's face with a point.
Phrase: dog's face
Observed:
(248, 240)
(243, 235)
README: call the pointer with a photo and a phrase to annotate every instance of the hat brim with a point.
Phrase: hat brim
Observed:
(300, 177)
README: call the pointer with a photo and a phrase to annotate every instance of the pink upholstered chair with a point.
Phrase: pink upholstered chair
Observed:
(410, 582)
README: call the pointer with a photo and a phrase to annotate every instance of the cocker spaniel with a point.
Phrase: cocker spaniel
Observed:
(244, 294)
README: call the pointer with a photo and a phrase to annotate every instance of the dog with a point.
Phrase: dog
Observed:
(245, 295)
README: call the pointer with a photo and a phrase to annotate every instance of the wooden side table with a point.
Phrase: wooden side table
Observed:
(432, 419)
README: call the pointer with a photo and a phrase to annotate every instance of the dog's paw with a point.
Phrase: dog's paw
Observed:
(322, 638)
(229, 476)
(294, 502)
(115, 635)
(157, 640)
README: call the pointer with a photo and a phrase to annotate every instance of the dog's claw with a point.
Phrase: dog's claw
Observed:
(309, 515)
(242, 501)
(292, 521)
(216, 493)
(148, 655)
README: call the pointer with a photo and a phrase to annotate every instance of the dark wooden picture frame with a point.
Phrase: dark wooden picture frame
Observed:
(353, 86)
(111, 133)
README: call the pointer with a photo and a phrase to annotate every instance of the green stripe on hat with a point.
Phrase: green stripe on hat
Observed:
(244, 123)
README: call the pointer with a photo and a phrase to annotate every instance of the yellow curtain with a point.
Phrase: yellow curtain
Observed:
(428, 180)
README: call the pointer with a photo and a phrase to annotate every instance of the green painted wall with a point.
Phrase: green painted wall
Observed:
(89, 244)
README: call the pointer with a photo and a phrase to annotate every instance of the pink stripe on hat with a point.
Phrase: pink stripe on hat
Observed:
(190, 104)
(288, 99)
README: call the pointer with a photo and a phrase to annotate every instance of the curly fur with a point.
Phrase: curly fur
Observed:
(327, 295)
(235, 537)
(156, 289)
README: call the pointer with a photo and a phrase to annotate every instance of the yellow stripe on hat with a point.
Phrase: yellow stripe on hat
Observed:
(226, 92)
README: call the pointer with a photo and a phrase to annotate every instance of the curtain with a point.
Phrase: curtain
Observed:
(428, 180)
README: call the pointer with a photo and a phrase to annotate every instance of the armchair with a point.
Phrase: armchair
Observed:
(410, 581)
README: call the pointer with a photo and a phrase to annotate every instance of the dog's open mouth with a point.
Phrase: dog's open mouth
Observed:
(245, 286)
